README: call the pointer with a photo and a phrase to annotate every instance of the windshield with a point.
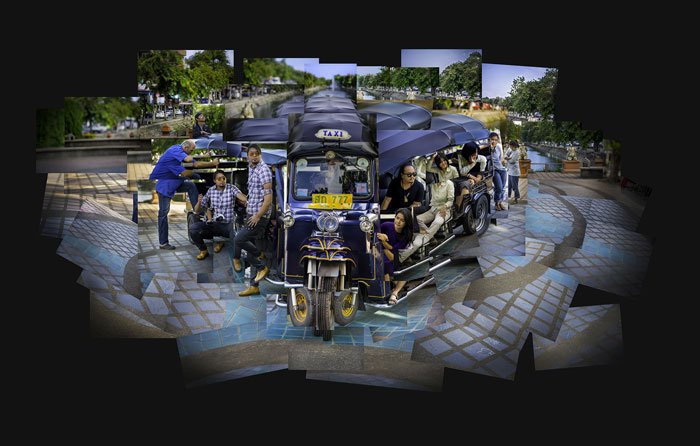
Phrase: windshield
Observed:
(340, 175)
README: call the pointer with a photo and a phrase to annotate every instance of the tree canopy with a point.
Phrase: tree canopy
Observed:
(536, 96)
(109, 111)
(256, 71)
(425, 79)
(168, 74)
(463, 76)
(560, 132)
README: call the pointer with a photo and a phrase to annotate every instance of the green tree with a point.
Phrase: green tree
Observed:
(162, 70)
(208, 71)
(257, 70)
(536, 96)
(108, 111)
(73, 117)
(50, 127)
(383, 78)
(463, 76)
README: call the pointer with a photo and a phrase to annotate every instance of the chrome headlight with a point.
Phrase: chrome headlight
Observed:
(365, 224)
(328, 222)
(288, 220)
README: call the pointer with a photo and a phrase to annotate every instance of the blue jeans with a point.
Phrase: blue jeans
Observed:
(245, 239)
(164, 208)
(513, 186)
(202, 230)
(499, 180)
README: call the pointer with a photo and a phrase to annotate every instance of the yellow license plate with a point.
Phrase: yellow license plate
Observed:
(331, 201)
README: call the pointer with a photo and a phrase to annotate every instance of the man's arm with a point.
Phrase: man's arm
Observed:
(196, 165)
(267, 201)
(198, 206)
(420, 196)
(385, 203)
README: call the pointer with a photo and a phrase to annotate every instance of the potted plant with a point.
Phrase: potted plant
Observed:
(571, 163)
(524, 161)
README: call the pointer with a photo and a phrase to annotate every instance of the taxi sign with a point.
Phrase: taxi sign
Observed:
(334, 134)
(331, 201)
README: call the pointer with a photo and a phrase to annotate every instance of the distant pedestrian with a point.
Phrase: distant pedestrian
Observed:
(512, 158)
(200, 129)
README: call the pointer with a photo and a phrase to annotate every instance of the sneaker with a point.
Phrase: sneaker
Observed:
(251, 290)
(202, 255)
(237, 267)
(218, 246)
(167, 246)
(261, 274)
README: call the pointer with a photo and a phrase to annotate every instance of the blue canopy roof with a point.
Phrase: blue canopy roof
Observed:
(460, 123)
(398, 146)
(294, 105)
(308, 124)
(329, 104)
(268, 129)
(216, 141)
(399, 116)
(269, 156)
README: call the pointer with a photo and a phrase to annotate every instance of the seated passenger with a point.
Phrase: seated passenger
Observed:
(472, 168)
(404, 191)
(438, 164)
(218, 201)
(394, 236)
(443, 195)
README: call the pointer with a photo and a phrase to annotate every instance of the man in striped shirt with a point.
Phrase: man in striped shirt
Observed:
(258, 211)
(218, 201)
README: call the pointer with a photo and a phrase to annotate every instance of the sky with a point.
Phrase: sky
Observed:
(364, 71)
(229, 55)
(329, 70)
(298, 62)
(497, 79)
(433, 58)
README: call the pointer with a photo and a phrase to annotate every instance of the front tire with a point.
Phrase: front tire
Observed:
(343, 309)
(324, 293)
(302, 316)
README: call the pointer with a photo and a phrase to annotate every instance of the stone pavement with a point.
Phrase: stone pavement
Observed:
(518, 278)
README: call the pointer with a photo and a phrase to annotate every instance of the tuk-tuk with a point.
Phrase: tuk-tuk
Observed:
(397, 147)
(333, 261)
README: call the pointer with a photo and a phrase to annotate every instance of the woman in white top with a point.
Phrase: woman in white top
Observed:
(513, 166)
(499, 173)
(439, 165)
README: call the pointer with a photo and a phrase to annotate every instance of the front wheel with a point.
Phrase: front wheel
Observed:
(302, 315)
(476, 220)
(344, 310)
(324, 295)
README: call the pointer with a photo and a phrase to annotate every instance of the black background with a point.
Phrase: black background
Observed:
(85, 56)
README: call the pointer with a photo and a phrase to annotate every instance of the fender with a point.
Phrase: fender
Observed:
(328, 249)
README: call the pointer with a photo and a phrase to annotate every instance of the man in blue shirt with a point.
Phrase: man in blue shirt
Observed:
(171, 179)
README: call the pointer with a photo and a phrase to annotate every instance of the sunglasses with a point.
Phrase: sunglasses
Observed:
(410, 174)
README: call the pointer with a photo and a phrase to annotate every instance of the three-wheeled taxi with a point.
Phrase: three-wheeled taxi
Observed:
(333, 260)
